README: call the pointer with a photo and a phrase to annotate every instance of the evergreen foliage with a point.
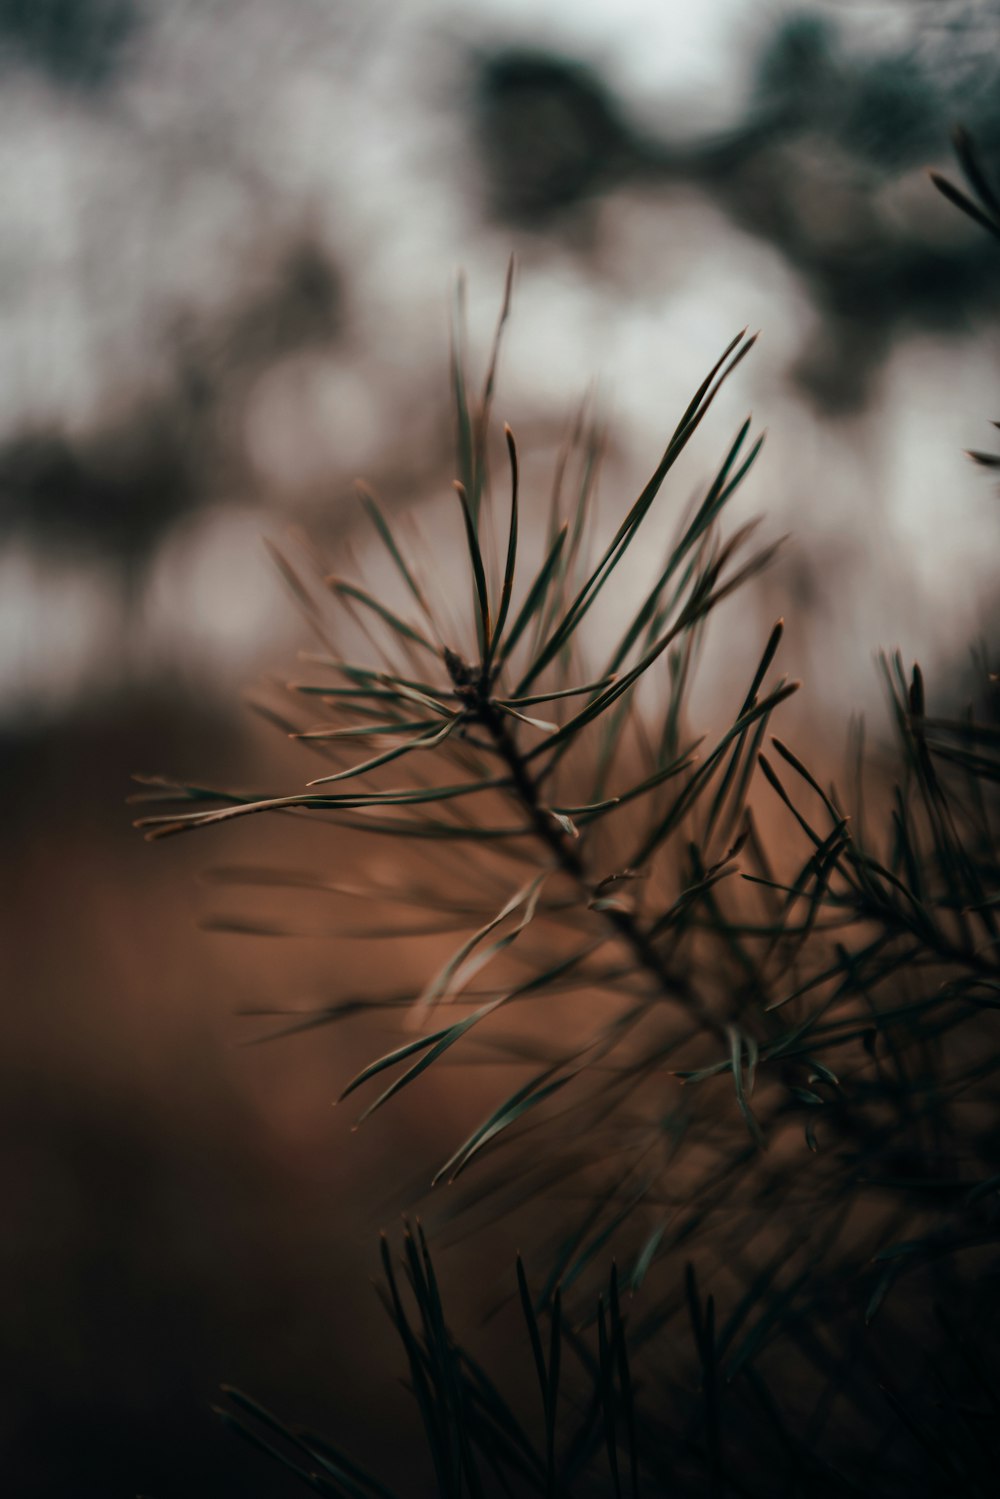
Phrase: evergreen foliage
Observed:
(777, 1067)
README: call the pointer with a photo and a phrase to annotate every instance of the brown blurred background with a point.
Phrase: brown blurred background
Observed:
(230, 234)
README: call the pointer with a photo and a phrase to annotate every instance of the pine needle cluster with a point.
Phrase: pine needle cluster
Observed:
(772, 1059)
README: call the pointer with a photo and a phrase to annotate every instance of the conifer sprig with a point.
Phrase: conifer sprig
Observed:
(774, 1058)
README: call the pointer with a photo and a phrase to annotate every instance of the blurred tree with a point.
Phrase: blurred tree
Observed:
(76, 42)
(815, 167)
(552, 133)
(117, 488)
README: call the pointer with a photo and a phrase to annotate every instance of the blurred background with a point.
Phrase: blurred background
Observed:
(230, 237)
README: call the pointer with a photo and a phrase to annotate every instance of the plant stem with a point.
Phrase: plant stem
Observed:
(626, 925)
